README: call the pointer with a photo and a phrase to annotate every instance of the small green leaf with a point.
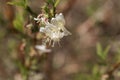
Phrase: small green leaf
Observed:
(18, 22)
(96, 71)
(50, 1)
(21, 3)
(106, 51)
(102, 53)
(46, 9)
(56, 3)
(99, 50)
(22, 68)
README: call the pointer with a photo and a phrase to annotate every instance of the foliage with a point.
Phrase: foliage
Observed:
(22, 3)
(102, 53)
(18, 22)
(29, 62)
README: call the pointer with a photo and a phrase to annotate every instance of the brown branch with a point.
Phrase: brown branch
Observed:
(115, 67)
(109, 75)
(9, 13)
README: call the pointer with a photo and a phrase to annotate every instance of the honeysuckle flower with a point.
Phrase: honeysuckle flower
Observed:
(42, 49)
(54, 30)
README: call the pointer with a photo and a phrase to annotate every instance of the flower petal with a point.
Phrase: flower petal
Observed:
(42, 29)
(42, 48)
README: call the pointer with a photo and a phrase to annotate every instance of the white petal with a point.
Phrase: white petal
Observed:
(54, 21)
(42, 29)
(60, 17)
(36, 19)
(42, 48)
(66, 32)
(58, 20)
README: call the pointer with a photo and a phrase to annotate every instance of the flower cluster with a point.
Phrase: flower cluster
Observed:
(54, 29)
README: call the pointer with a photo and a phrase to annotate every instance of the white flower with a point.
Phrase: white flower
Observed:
(54, 30)
(42, 49)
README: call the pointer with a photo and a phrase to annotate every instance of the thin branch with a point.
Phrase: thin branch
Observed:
(115, 67)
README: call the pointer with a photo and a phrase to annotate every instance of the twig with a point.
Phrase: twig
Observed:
(8, 11)
(109, 75)
(115, 67)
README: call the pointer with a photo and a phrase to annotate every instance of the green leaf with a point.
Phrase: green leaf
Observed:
(22, 68)
(18, 22)
(50, 1)
(95, 70)
(99, 50)
(56, 3)
(102, 53)
(106, 51)
(21, 3)
(46, 9)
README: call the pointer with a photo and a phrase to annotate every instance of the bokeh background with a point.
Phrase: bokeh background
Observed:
(93, 24)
